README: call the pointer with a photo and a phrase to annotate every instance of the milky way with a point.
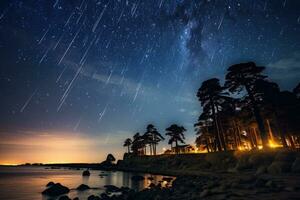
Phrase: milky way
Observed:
(109, 67)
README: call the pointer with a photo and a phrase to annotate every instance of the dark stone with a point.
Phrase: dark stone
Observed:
(56, 190)
(150, 178)
(83, 187)
(86, 173)
(137, 178)
(76, 198)
(111, 188)
(110, 158)
(104, 196)
(64, 198)
(152, 185)
(93, 197)
(49, 184)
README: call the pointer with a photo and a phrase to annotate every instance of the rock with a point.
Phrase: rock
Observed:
(65, 197)
(168, 179)
(137, 178)
(86, 173)
(124, 189)
(204, 193)
(278, 167)
(111, 188)
(76, 198)
(150, 178)
(152, 185)
(110, 158)
(56, 190)
(93, 197)
(83, 187)
(296, 166)
(49, 184)
(104, 196)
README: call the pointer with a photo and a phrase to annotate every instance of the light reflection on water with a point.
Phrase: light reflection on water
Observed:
(24, 183)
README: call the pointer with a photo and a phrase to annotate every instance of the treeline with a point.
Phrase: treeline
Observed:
(248, 112)
(138, 145)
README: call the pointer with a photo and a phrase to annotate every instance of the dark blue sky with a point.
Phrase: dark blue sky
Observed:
(103, 69)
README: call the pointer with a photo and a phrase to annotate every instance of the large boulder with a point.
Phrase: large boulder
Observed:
(56, 190)
(65, 197)
(111, 188)
(110, 158)
(83, 187)
(49, 184)
(86, 173)
(93, 197)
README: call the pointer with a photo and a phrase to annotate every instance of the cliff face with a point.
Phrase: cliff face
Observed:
(273, 162)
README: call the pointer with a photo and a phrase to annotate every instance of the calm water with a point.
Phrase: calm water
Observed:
(27, 183)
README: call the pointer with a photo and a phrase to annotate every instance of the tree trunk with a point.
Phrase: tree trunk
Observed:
(176, 147)
(281, 132)
(207, 145)
(259, 119)
(291, 141)
(128, 149)
(221, 131)
(218, 137)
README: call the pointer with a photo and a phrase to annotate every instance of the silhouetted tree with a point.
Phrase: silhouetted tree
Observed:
(296, 90)
(138, 144)
(153, 137)
(176, 134)
(127, 143)
(205, 137)
(211, 95)
(243, 76)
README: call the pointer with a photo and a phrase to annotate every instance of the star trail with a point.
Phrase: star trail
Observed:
(103, 69)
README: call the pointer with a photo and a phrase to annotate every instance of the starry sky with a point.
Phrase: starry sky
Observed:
(80, 76)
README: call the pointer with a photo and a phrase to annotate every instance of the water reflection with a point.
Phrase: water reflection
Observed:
(34, 179)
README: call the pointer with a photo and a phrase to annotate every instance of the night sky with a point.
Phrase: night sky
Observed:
(80, 76)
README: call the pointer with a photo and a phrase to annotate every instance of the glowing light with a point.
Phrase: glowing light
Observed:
(273, 144)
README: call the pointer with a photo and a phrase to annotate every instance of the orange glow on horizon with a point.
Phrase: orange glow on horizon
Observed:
(56, 147)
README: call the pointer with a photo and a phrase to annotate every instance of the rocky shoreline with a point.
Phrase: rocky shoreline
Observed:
(230, 175)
